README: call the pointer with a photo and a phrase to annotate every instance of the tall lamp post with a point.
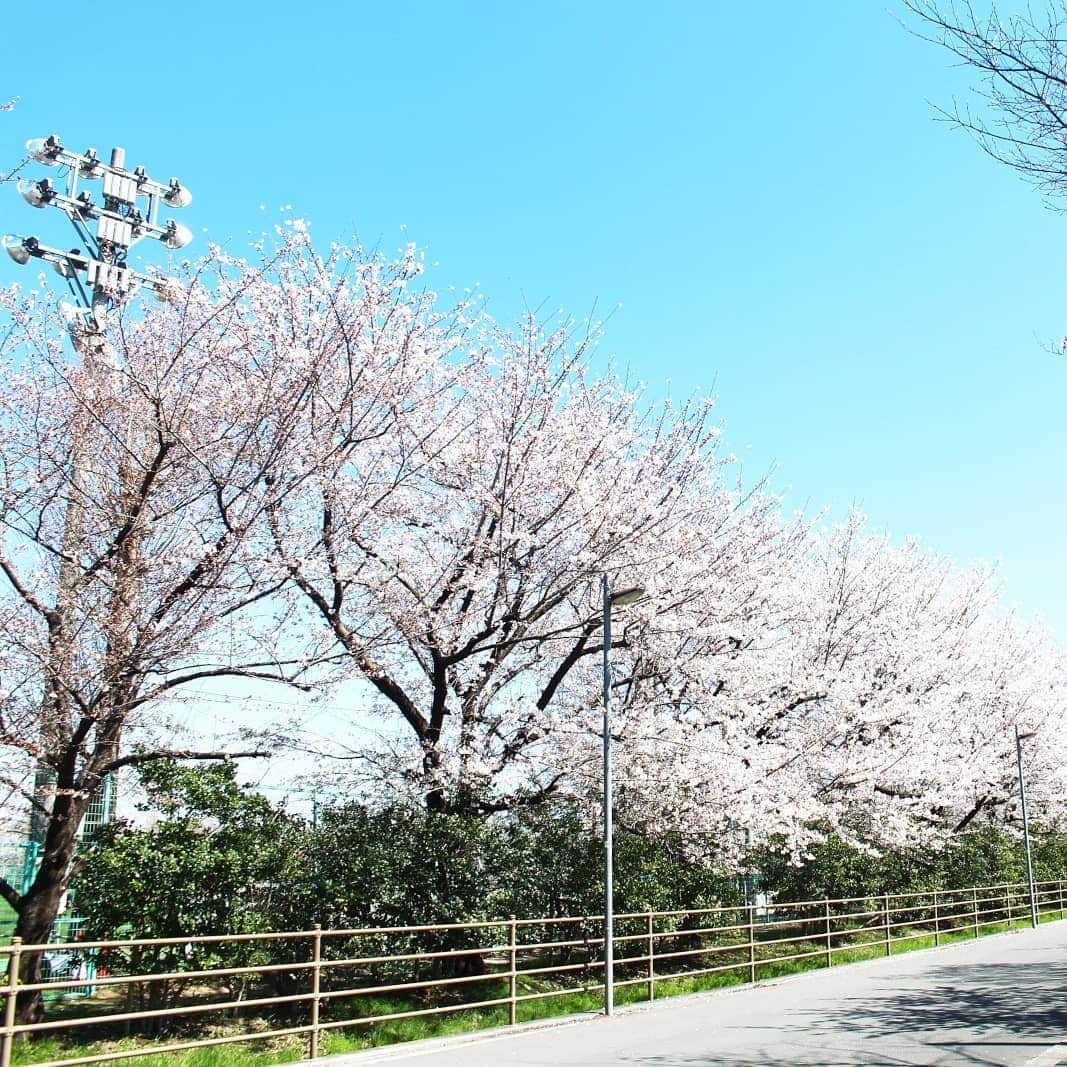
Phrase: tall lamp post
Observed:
(624, 596)
(1019, 737)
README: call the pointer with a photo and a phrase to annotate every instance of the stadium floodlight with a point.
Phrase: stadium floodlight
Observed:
(128, 210)
(36, 194)
(90, 167)
(63, 267)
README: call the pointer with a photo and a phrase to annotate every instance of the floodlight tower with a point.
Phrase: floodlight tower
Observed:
(100, 279)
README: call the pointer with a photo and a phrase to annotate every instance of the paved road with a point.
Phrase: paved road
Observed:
(998, 1001)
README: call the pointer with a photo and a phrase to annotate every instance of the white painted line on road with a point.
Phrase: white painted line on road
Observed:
(1049, 1058)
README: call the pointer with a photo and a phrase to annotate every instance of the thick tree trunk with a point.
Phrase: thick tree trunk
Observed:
(39, 907)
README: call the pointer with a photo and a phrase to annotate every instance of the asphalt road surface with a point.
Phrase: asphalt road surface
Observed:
(1000, 1000)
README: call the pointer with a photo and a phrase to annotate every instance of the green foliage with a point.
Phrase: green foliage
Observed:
(212, 865)
(404, 866)
(222, 859)
(401, 866)
(986, 855)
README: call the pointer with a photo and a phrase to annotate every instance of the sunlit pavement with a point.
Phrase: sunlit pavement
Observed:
(997, 1001)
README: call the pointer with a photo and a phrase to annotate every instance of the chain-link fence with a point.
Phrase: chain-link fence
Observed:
(18, 865)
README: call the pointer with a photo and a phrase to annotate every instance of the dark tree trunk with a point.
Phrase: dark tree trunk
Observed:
(39, 907)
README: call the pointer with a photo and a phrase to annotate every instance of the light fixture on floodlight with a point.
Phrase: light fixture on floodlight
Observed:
(45, 150)
(90, 167)
(177, 195)
(176, 235)
(16, 248)
(36, 194)
(63, 267)
(166, 290)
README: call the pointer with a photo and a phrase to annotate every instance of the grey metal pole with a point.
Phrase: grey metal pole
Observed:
(609, 859)
(1026, 829)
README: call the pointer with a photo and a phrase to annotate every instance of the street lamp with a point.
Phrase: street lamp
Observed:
(1019, 737)
(621, 598)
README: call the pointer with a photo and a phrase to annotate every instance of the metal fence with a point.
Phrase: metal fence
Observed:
(177, 994)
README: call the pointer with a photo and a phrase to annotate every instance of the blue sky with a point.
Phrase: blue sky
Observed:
(762, 188)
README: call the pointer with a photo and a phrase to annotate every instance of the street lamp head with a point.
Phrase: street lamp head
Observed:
(627, 596)
(1022, 733)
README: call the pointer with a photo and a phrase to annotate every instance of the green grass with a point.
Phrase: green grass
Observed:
(371, 1035)
(223, 1056)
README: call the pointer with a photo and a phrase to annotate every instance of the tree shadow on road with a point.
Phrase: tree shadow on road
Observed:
(981, 1014)
(1022, 1000)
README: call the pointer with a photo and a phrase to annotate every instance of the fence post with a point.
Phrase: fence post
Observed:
(586, 970)
(885, 923)
(974, 907)
(829, 954)
(1007, 904)
(752, 943)
(513, 969)
(316, 981)
(652, 951)
(9, 1006)
(1060, 888)
(937, 921)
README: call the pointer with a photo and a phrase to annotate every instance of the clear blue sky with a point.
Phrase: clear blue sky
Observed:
(761, 187)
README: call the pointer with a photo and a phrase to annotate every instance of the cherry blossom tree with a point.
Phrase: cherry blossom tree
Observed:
(877, 699)
(929, 673)
(308, 469)
(468, 602)
(134, 476)
(772, 679)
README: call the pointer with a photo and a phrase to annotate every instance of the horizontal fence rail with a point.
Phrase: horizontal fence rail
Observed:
(170, 995)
